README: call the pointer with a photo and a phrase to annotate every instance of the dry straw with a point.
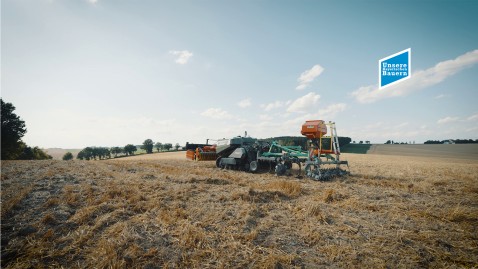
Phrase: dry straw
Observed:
(390, 212)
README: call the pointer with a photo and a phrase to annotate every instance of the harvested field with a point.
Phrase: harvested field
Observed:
(169, 212)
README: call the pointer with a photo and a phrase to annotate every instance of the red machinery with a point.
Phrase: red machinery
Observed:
(202, 153)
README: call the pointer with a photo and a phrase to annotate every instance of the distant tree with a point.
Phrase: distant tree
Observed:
(90, 153)
(158, 146)
(167, 146)
(116, 151)
(13, 129)
(344, 140)
(40, 154)
(27, 153)
(367, 142)
(81, 155)
(465, 141)
(85, 154)
(34, 153)
(130, 149)
(361, 142)
(93, 152)
(388, 142)
(177, 146)
(68, 156)
(432, 142)
(103, 153)
(353, 142)
(148, 145)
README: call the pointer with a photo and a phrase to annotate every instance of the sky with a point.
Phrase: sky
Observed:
(113, 72)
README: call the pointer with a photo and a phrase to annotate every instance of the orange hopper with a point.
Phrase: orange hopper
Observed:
(314, 129)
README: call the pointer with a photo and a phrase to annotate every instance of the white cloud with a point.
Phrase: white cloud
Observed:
(472, 117)
(419, 79)
(183, 56)
(472, 129)
(276, 104)
(331, 110)
(325, 114)
(244, 103)
(265, 117)
(216, 113)
(374, 125)
(448, 120)
(308, 76)
(93, 1)
(301, 104)
(440, 96)
(401, 125)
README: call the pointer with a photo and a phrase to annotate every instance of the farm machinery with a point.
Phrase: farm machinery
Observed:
(201, 152)
(321, 161)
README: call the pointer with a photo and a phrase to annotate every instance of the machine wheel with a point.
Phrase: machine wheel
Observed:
(312, 171)
(280, 169)
(253, 166)
(218, 162)
(288, 164)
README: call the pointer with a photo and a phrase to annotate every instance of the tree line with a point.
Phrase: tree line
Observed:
(13, 129)
(100, 153)
(456, 141)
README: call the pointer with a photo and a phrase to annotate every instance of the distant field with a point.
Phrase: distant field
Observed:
(57, 153)
(355, 148)
(458, 151)
(161, 210)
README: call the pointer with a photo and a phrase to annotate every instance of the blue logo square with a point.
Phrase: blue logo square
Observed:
(394, 68)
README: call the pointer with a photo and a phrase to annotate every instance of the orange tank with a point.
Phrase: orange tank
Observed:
(314, 129)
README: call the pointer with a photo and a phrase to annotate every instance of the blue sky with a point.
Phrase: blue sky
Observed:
(107, 73)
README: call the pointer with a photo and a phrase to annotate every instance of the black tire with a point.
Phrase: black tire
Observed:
(218, 162)
(280, 169)
(253, 166)
(288, 164)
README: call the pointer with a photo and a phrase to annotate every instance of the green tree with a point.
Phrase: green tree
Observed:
(26, 154)
(167, 146)
(68, 156)
(35, 153)
(148, 145)
(130, 149)
(13, 129)
(158, 146)
(40, 154)
(177, 146)
(116, 151)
